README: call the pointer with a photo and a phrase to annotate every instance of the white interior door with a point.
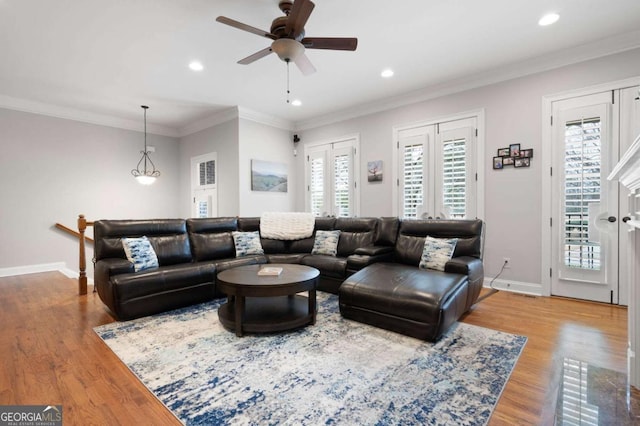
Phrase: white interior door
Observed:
(584, 203)
(204, 189)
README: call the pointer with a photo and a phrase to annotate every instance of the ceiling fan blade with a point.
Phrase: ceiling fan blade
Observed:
(252, 58)
(332, 43)
(298, 17)
(245, 27)
(305, 65)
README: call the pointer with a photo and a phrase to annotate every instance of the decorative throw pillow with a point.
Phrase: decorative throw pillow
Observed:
(247, 243)
(326, 242)
(140, 252)
(437, 252)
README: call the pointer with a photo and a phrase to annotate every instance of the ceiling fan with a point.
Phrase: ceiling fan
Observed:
(287, 33)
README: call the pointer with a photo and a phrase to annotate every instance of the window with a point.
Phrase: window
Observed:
(331, 171)
(436, 170)
(582, 158)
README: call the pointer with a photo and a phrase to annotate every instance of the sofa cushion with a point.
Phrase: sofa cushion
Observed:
(140, 252)
(211, 238)
(108, 235)
(401, 290)
(172, 249)
(326, 242)
(329, 266)
(247, 243)
(437, 252)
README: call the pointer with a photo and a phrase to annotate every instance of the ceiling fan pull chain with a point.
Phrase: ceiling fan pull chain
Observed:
(288, 80)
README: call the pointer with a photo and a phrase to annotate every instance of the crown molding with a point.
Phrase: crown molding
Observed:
(260, 117)
(210, 121)
(66, 113)
(574, 55)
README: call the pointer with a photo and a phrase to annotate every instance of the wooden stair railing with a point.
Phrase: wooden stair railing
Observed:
(82, 279)
(82, 227)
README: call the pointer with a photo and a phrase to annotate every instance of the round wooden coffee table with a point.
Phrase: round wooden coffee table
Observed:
(265, 304)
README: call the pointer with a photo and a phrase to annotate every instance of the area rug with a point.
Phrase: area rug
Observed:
(335, 372)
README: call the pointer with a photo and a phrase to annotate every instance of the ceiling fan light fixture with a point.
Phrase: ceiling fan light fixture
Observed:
(296, 102)
(287, 49)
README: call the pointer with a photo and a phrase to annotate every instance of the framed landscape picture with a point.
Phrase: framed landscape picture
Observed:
(374, 171)
(268, 176)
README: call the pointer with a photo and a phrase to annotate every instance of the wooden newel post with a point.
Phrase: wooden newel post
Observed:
(82, 279)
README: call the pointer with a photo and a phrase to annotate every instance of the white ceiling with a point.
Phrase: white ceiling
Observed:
(101, 59)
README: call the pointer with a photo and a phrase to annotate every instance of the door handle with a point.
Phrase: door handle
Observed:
(610, 219)
(626, 219)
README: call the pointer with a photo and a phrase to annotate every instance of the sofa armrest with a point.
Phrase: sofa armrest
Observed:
(106, 268)
(368, 255)
(466, 265)
(374, 250)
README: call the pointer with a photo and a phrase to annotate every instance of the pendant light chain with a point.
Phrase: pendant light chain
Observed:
(145, 176)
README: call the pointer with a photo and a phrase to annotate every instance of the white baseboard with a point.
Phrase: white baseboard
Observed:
(44, 267)
(32, 269)
(515, 286)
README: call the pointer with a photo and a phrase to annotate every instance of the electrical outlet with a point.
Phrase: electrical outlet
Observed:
(506, 262)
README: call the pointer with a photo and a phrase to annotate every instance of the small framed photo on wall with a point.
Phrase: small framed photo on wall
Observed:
(507, 161)
(503, 152)
(526, 153)
(497, 162)
(514, 150)
(522, 162)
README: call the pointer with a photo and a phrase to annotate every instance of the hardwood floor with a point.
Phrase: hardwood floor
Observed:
(50, 354)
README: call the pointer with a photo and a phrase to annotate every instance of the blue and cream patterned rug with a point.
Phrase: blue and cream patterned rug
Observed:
(336, 372)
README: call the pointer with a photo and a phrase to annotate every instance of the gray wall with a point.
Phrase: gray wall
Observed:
(53, 169)
(262, 142)
(222, 139)
(512, 115)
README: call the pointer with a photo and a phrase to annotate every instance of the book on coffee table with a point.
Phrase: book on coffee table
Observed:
(270, 271)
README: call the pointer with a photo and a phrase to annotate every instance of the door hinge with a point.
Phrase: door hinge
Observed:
(613, 102)
(550, 171)
(398, 144)
(194, 200)
(552, 120)
(550, 273)
(476, 133)
(397, 182)
(438, 128)
(308, 188)
(550, 221)
(476, 177)
(612, 297)
(355, 184)
(307, 158)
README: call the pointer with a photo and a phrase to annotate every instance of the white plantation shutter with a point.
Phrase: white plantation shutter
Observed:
(342, 181)
(412, 180)
(331, 171)
(317, 184)
(582, 159)
(207, 175)
(454, 178)
(437, 170)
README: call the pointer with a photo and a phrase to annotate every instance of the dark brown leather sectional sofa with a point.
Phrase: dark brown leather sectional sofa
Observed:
(375, 271)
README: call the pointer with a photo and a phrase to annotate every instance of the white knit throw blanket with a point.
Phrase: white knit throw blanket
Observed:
(286, 225)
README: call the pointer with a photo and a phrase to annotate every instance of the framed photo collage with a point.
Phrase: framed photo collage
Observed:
(512, 156)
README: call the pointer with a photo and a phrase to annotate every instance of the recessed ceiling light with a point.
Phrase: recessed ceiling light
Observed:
(196, 66)
(296, 102)
(387, 73)
(548, 19)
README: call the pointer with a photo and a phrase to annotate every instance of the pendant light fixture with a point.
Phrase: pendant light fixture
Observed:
(145, 176)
